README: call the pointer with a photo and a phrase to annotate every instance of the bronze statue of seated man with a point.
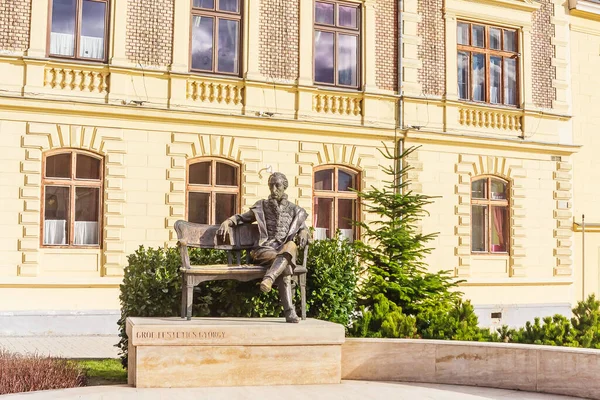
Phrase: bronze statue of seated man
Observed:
(280, 222)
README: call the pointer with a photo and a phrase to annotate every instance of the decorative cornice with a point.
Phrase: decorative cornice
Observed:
(465, 139)
(584, 8)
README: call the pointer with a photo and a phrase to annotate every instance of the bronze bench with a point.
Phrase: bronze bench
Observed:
(241, 237)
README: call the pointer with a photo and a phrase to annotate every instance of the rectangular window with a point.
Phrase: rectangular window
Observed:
(216, 36)
(78, 29)
(337, 44)
(213, 189)
(335, 203)
(487, 64)
(72, 209)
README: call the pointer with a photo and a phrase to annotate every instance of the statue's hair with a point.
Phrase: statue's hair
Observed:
(281, 176)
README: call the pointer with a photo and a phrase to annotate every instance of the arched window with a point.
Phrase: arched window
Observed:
(72, 193)
(213, 190)
(335, 205)
(490, 216)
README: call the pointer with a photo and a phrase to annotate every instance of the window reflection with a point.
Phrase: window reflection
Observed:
(202, 43)
(324, 50)
(336, 46)
(228, 46)
(348, 53)
(324, 13)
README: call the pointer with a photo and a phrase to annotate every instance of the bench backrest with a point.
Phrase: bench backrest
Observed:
(241, 237)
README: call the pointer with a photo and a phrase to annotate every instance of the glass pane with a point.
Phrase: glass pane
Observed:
(495, 38)
(324, 179)
(56, 214)
(91, 44)
(499, 230)
(228, 5)
(322, 217)
(226, 174)
(478, 77)
(225, 206)
(510, 81)
(462, 33)
(478, 227)
(228, 46)
(510, 40)
(87, 206)
(479, 189)
(498, 190)
(324, 57)
(202, 43)
(62, 35)
(347, 17)
(210, 4)
(478, 37)
(346, 214)
(199, 207)
(200, 173)
(495, 80)
(87, 167)
(347, 60)
(323, 13)
(463, 75)
(345, 181)
(58, 166)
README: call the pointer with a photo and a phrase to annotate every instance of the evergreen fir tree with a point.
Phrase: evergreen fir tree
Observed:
(393, 248)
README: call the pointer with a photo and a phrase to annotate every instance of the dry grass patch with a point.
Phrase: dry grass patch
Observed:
(26, 373)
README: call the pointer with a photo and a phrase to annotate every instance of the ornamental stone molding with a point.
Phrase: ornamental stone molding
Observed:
(470, 166)
(185, 146)
(107, 142)
(563, 232)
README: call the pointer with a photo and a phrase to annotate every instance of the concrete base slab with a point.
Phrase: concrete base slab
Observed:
(171, 352)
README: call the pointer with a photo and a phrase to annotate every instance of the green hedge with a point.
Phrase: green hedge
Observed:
(152, 287)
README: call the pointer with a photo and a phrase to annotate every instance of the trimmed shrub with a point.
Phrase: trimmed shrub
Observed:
(28, 373)
(152, 287)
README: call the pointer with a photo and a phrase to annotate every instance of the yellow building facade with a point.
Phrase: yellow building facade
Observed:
(103, 140)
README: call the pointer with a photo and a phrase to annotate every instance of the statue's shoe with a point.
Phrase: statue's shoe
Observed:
(266, 285)
(291, 317)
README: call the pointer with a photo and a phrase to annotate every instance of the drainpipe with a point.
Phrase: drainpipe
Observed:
(582, 257)
(400, 143)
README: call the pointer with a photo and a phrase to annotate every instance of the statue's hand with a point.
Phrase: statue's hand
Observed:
(303, 238)
(223, 230)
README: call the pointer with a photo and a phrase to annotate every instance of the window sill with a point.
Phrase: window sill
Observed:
(515, 281)
(78, 61)
(210, 75)
(500, 107)
(338, 89)
(61, 281)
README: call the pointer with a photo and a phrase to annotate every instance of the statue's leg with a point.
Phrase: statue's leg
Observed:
(279, 266)
(284, 286)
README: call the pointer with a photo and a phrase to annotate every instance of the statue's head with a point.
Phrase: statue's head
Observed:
(278, 183)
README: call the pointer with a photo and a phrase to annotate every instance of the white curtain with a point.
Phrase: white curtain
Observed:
(347, 234)
(320, 234)
(62, 44)
(55, 231)
(91, 47)
(86, 232)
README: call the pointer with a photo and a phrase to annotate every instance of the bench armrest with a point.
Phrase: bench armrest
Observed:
(185, 257)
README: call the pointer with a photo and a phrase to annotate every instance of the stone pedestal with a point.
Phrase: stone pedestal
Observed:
(171, 352)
